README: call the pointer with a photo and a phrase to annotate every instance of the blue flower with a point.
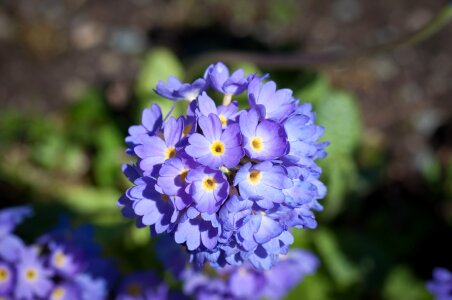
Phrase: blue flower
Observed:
(151, 124)
(226, 113)
(142, 286)
(208, 187)
(263, 183)
(63, 262)
(262, 140)
(441, 284)
(7, 276)
(227, 184)
(155, 150)
(175, 90)
(33, 279)
(90, 287)
(219, 78)
(11, 246)
(216, 147)
(273, 104)
(65, 291)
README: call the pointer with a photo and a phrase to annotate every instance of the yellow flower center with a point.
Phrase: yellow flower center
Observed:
(257, 144)
(58, 293)
(31, 274)
(183, 175)
(133, 289)
(217, 148)
(224, 120)
(4, 274)
(209, 184)
(59, 259)
(165, 197)
(170, 152)
(186, 130)
(254, 177)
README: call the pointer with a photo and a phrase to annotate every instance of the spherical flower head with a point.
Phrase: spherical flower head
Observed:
(208, 187)
(441, 284)
(215, 147)
(262, 139)
(33, 279)
(227, 184)
(6, 278)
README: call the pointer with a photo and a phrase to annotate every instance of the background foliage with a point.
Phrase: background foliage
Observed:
(381, 232)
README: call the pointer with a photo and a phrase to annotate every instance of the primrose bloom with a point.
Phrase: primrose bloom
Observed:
(247, 282)
(229, 184)
(441, 284)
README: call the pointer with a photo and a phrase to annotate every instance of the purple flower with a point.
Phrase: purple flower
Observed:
(226, 113)
(220, 79)
(65, 291)
(172, 181)
(441, 284)
(63, 262)
(263, 183)
(151, 123)
(246, 283)
(228, 184)
(289, 272)
(155, 208)
(208, 187)
(142, 286)
(196, 230)
(90, 287)
(262, 140)
(175, 90)
(11, 246)
(33, 279)
(216, 147)
(273, 104)
(6, 278)
(155, 150)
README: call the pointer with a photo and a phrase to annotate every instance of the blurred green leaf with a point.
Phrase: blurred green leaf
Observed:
(157, 65)
(339, 113)
(401, 284)
(313, 287)
(343, 272)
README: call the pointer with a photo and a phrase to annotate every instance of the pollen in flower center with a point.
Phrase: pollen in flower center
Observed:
(58, 293)
(165, 197)
(254, 177)
(170, 152)
(59, 259)
(224, 120)
(217, 148)
(257, 144)
(209, 184)
(4, 275)
(133, 289)
(31, 274)
(183, 175)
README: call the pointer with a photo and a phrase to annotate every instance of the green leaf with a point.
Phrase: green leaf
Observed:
(157, 65)
(343, 272)
(401, 284)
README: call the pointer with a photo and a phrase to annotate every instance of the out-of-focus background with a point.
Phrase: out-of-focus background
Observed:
(74, 74)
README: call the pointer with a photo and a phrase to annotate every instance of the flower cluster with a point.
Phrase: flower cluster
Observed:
(441, 285)
(64, 264)
(228, 184)
(246, 282)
